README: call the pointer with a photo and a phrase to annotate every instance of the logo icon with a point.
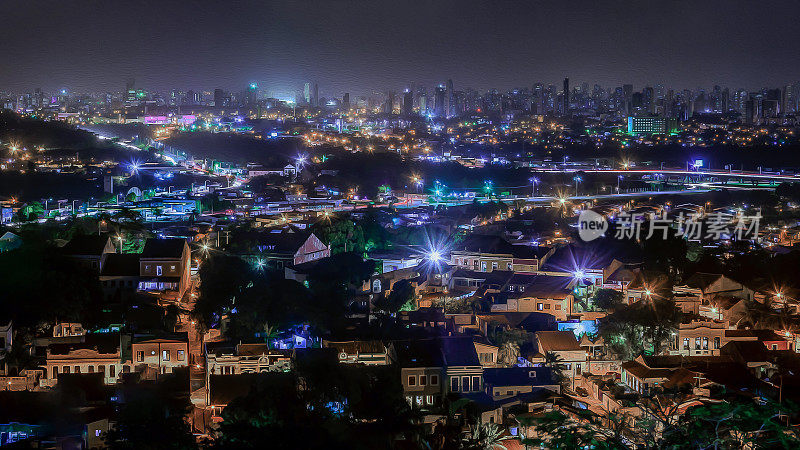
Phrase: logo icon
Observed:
(591, 225)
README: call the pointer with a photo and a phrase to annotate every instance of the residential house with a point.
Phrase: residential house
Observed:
(698, 337)
(433, 368)
(164, 266)
(370, 352)
(159, 355)
(88, 250)
(536, 293)
(94, 353)
(485, 253)
(119, 276)
(563, 344)
(226, 358)
(505, 382)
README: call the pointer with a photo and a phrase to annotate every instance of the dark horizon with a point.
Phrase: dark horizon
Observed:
(360, 47)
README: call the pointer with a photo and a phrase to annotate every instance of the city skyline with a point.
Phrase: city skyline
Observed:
(354, 47)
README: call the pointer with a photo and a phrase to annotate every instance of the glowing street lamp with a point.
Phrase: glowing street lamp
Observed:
(578, 180)
(534, 181)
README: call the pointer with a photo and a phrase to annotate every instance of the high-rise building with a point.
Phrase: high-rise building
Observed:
(652, 125)
(315, 98)
(130, 91)
(220, 98)
(627, 92)
(346, 102)
(565, 99)
(439, 101)
(252, 94)
(307, 93)
(388, 103)
(408, 103)
(451, 99)
(648, 100)
(423, 103)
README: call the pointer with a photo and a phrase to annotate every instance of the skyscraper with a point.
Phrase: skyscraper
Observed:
(220, 98)
(252, 94)
(315, 98)
(408, 103)
(565, 107)
(451, 99)
(439, 102)
(627, 92)
(346, 102)
(307, 93)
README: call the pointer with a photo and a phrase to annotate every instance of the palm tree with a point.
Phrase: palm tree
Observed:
(270, 334)
(508, 354)
(554, 362)
(484, 436)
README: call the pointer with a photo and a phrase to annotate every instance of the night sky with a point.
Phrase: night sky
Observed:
(359, 46)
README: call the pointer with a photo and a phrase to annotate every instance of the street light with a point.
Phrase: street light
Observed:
(578, 180)
(534, 181)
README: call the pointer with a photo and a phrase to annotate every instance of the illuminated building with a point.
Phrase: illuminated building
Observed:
(408, 102)
(652, 125)
(439, 102)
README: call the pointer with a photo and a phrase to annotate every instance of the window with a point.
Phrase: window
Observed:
(686, 343)
(165, 355)
(434, 380)
(476, 383)
(55, 372)
(454, 384)
(705, 343)
(139, 356)
(509, 392)
(494, 266)
(716, 342)
(77, 369)
(412, 380)
(522, 288)
(539, 306)
(159, 270)
(697, 343)
(429, 399)
(547, 306)
(181, 355)
(102, 369)
(66, 369)
(508, 266)
(483, 266)
(91, 369)
(172, 268)
(558, 306)
(112, 371)
(577, 369)
(465, 384)
(423, 380)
